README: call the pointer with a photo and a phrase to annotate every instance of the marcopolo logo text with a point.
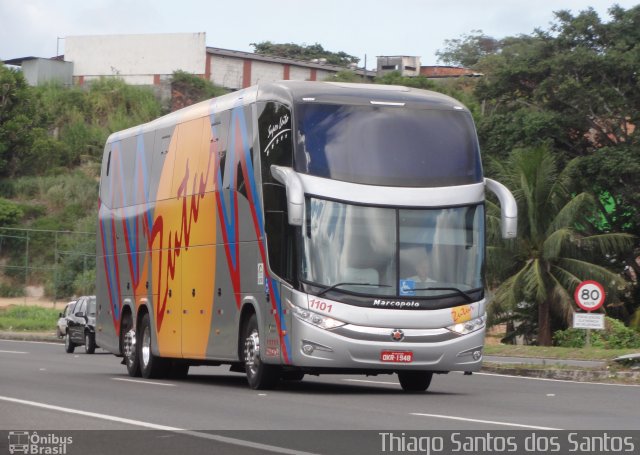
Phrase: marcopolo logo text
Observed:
(396, 303)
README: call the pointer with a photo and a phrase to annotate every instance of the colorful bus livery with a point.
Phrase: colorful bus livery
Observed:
(297, 228)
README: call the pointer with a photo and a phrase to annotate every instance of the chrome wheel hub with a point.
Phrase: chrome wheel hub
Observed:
(129, 346)
(146, 346)
(252, 352)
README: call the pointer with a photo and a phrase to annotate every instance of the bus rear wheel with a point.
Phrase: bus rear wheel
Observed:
(259, 374)
(415, 381)
(151, 366)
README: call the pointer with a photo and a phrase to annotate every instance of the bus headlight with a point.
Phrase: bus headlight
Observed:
(319, 320)
(470, 326)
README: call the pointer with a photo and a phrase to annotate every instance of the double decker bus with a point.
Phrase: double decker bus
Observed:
(297, 228)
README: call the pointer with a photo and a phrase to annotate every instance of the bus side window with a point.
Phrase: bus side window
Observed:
(274, 130)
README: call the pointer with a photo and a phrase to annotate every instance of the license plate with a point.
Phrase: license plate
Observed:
(396, 356)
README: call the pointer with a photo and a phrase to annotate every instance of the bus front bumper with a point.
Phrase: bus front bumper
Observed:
(374, 348)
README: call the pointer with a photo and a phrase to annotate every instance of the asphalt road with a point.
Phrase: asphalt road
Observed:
(43, 388)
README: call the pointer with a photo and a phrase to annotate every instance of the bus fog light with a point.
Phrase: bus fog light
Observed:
(307, 349)
(477, 355)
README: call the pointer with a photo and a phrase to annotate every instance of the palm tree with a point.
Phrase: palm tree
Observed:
(555, 249)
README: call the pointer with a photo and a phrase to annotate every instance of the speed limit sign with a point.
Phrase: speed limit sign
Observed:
(589, 295)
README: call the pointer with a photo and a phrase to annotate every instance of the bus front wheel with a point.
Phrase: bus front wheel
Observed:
(415, 381)
(259, 374)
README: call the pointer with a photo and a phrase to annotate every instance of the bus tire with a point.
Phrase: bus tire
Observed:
(260, 375)
(89, 342)
(415, 381)
(151, 366)
(69, 346)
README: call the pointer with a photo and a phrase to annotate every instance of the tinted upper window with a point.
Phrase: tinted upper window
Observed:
(383, 145)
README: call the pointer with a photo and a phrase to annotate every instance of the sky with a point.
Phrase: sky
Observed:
(358, 27)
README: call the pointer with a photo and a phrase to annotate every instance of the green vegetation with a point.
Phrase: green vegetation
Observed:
(554, 352)
(8, 290)
(50, 129)
(469, 49)
(555, 250)
(615, 336)
(571, 90)
(575, 88)
(51, 142)
(188, 89)
(303, 52)
(10, 212)
(28, 318)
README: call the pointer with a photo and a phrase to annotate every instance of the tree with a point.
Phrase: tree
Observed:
(19, 124)
(555, 250)
(574, 87)
(303, 52)
(467, 50)
(10, 213)
(456, 89)
(346, 76)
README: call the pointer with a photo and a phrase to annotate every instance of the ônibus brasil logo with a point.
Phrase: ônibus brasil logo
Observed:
(41, 444)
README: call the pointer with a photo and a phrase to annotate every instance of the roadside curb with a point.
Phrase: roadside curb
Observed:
(578, 375)
(30, 336)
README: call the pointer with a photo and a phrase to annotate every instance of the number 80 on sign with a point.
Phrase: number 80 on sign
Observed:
(589, 295)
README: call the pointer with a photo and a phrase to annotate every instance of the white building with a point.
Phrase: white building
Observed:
(151, 60)
(137, 59)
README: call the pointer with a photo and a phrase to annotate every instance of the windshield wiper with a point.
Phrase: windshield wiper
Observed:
(466, 296)
(337, 285)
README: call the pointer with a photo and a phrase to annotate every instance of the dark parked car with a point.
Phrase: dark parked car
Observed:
(81, 325)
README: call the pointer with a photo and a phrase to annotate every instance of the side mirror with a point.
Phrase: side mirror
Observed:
(60, 315)
(295, 192)
(508, 208)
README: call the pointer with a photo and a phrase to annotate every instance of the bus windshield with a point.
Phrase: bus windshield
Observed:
(375, 251)
(389, 146)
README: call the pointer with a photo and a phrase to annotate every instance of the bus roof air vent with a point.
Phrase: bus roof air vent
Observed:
(387, 103)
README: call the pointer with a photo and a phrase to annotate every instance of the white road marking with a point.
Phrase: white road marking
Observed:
(140, 381)
(492, 422)
(140, 423)
(556, 380)
(89, 414)
(371, 382)
(14, 352)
